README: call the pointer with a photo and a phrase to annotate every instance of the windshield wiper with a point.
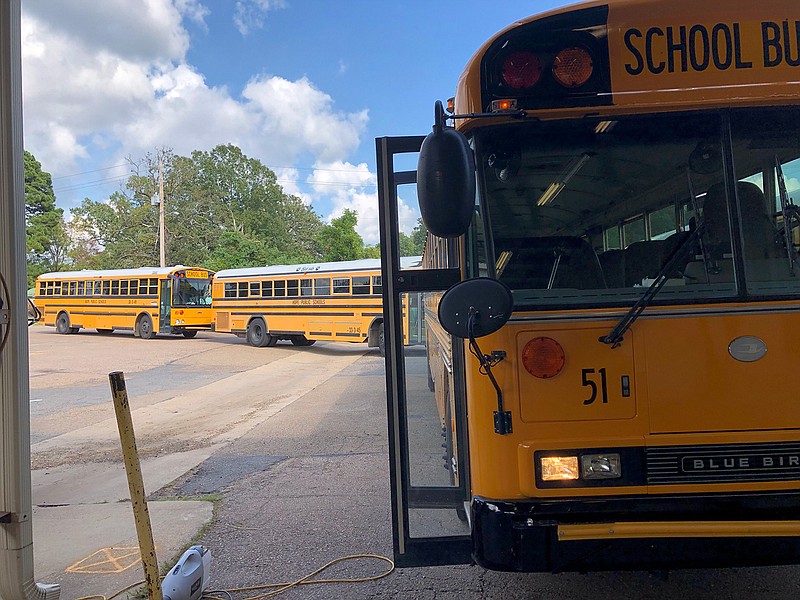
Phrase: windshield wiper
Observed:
(789, 211)
(615, 337)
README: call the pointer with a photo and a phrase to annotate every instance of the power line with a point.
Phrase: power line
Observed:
(92, 171)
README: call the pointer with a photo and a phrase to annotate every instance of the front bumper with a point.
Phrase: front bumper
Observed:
(642, 532)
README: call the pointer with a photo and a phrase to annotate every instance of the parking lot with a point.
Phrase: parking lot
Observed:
(288, 446)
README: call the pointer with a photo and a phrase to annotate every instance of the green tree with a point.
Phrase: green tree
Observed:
(237, 250)
(340, 240)
(48, 244)
(125, 228)
(414, 244)
(247, 199)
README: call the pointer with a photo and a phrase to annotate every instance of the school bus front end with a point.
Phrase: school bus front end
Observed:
(636, 166)
(664, 452)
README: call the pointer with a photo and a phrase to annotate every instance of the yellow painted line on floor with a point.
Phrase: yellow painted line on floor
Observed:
(107, 561)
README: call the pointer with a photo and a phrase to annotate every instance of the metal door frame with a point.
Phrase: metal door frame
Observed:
(421, 551)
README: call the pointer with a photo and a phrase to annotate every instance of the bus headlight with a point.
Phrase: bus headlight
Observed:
(590, 467)
(559, 468)
(601, 466)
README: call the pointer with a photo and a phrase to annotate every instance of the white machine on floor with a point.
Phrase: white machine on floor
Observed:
(190, 575)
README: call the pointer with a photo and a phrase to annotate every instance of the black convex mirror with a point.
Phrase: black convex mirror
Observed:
(475, 307)
(446, 180)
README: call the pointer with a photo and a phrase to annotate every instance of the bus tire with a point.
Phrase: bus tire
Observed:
(62, 323)
(257, 335)
(189, 333)
(144, 327)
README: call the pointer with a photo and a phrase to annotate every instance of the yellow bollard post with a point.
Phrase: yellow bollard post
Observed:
(135, 484)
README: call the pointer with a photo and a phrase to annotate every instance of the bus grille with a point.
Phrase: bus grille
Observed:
(723, 463)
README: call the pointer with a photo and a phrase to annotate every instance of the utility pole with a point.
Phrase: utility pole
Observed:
(162, 248)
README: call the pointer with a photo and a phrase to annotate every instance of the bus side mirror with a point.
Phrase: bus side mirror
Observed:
(475, 307)
(446, 180)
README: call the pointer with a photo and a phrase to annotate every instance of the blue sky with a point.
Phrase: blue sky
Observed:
(303, 85)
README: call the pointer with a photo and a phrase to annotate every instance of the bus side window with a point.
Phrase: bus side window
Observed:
(322, 286)
(341, 286)
(377, 286)
(242, 289)
(80, 288)
(360, 285)
(115, 288)
(292, 287)
(305, 287)
(255, 289)
(123, 287)
(106, 288)
(266, 289)
(280, 288)
(230, 290)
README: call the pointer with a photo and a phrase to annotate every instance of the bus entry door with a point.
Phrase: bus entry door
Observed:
(427, 439)
(164, 304)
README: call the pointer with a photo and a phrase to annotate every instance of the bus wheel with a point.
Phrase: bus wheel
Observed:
(145, 327)
(189, 333)
(104, 331)
(62, 323)
(257, 335)
(301, 340)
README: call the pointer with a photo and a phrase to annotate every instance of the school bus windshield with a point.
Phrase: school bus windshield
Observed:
(587, 213)
(191, 292)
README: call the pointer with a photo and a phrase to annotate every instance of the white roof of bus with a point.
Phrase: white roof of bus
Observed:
(112, 272)
(365, 264)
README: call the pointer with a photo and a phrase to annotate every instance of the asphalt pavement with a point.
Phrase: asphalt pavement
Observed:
(307, 485)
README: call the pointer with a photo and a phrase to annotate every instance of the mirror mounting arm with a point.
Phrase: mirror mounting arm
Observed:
(502, 418)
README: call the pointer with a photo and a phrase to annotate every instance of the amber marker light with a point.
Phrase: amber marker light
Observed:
(501, 105)
(573, 67)
(543, 357)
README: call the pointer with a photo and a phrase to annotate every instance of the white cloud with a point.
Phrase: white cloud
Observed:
(355, 187)
(194, 11)
(303, 119)
(107, 80)
(145, 30)
(288, 178)
(249, 14)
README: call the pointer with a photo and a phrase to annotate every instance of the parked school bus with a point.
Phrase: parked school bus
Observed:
(334, 301)
(147, 301)
(612, 294)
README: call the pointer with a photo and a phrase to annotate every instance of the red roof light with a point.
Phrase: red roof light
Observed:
(521, 70)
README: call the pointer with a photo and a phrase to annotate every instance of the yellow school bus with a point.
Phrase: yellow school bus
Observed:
(150, 300)
(334, 301)
(612, 295)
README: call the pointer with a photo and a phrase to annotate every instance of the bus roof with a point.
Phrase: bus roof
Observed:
(365, 264)
(86, 273)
